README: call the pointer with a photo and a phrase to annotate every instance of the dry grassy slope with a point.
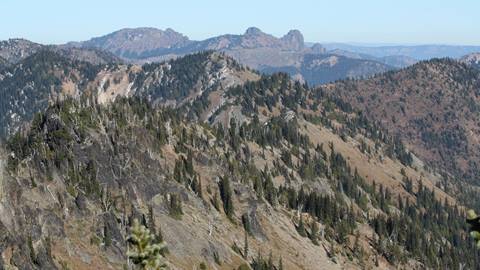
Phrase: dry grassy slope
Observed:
(111, 83)
(376, 168)
(118, 84)
(279, 234)
(381, 170)
(433, 106)
(228, 79)
(202, 228)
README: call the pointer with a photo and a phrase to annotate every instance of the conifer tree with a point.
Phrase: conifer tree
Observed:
(474, 221)
(301, 227)
(175, 206)
(107, 236)
(314, 232)
(143, 251)
(216, 201)
(245, 249)
(226, 195)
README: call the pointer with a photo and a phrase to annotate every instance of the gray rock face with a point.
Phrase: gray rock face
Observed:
(112, 230)
(14, 50)
(255, 225)
(293, 40)
(253, 48)
(4, 237)
(318, 48)
(150, 42)
(138, 42)
(43, 260)
(255, 38)
(253, 31)
(472, 60)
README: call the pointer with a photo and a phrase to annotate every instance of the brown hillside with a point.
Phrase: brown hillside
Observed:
(433, 106)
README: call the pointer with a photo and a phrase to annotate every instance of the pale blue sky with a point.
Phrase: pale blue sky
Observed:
(369, 21)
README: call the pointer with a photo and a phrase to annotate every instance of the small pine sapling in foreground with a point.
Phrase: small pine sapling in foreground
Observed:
(226, 195)
(474, 221)
(301, 227)
(245, 248)
(144, 251)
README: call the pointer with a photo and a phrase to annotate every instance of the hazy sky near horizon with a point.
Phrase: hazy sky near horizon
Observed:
(367, 21)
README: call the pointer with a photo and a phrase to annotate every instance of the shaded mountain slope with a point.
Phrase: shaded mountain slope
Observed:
(28, 87)
(16, 50)
(261, 160)
(433, 106)
(87, 179)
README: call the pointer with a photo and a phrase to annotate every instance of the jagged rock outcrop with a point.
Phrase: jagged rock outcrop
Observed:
(472, 59)
(293, 40)
(137, 42)
(253, 48)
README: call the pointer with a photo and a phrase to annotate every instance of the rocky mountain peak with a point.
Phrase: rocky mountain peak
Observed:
(148, 34)
(13, 50)
(253, 31)
(472, 59)
(293, 40)
(137, 42)
(318, 48)
(254, 48)
(255, 38)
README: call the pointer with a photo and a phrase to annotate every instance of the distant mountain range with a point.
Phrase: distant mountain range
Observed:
(322, 68)
(254, 48)
(313, 63)
(150, 44)
(420, 52)
(13, 51)
(398, 61)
